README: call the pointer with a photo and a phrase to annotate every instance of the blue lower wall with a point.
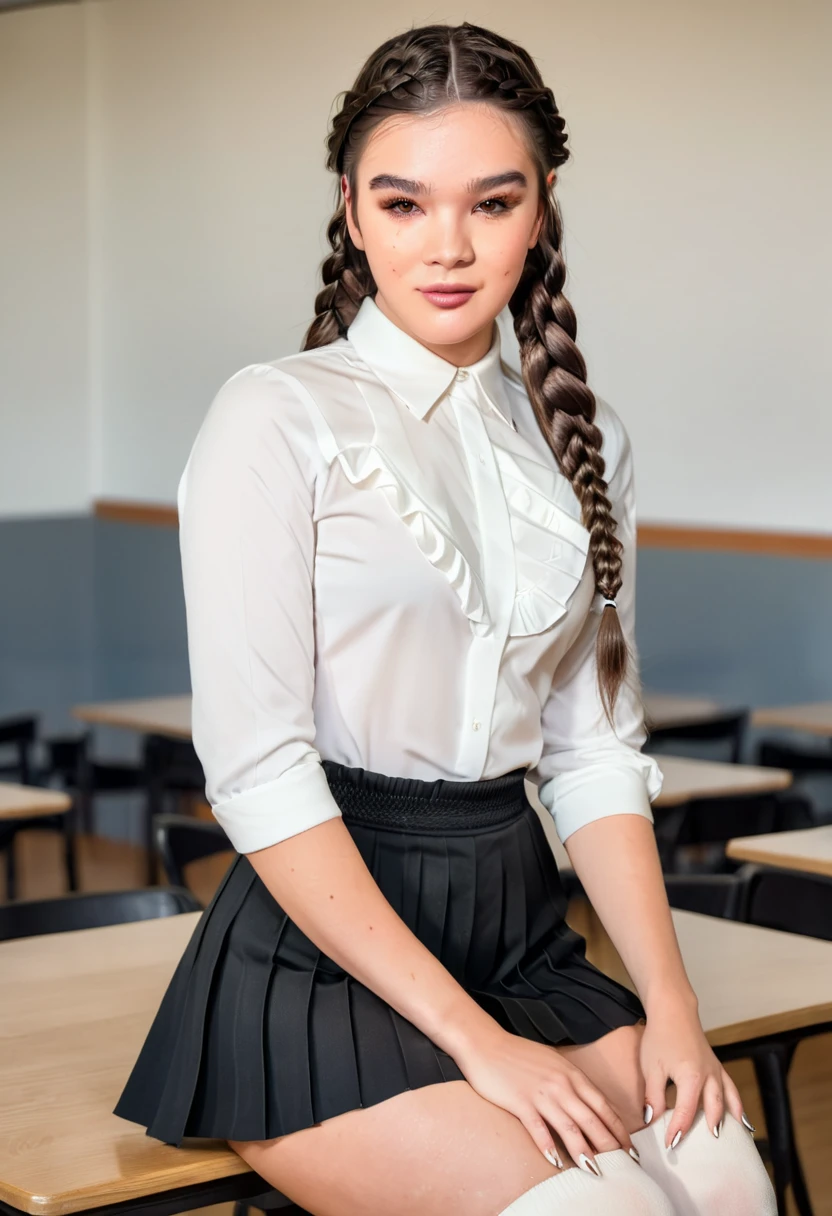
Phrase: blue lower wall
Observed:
(93, 609)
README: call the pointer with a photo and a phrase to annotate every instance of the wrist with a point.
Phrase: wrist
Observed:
(663, 1000)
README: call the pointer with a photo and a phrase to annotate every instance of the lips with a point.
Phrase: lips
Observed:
(448, 295)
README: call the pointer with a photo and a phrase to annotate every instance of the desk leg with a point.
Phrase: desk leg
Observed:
(154, 774)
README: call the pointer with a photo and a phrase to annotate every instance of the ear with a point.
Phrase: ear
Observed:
(355, 235)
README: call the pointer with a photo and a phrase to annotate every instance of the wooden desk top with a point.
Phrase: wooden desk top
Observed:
(665, 709)
(815, 717)
(30, 801)
(169, 716)
(809, 849)
(686, 778)
(77, 1007)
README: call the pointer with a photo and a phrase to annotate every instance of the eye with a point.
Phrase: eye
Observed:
(496, 205)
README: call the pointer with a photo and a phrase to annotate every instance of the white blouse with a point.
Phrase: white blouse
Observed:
(384, 567)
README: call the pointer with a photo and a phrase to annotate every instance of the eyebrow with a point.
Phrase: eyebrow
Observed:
(388, 181)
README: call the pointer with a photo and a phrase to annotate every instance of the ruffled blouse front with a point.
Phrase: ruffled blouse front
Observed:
(383, 566)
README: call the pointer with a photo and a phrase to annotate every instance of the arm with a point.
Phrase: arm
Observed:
(247, 537)
(598, 785)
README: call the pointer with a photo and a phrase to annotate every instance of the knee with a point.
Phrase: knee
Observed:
(705, 1174)
(623, 1189)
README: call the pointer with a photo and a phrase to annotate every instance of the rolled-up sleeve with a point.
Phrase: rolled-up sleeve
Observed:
(247, 544)
(587, 770)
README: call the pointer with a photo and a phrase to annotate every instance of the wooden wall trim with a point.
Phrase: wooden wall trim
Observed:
(733, 540)
(650, 536)
(128, 512)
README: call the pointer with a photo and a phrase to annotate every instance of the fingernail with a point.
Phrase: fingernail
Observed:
(634, 1154)
(749, 1125)
(553, 1158)
(676, 1139)
(716, 1128)
(648, 1112)
(586, 1163)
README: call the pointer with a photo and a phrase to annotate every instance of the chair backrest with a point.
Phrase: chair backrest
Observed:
(91, 910)
(19, 734)
(727, 730)
(711, 894)
(717, 820)
(790, 900)
(181, 840)
(772, 754)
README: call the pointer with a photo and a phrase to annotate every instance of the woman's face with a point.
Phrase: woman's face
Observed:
(427, 214)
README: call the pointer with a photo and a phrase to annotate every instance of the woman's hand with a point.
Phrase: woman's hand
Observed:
(674, 1047)
(545, 1091)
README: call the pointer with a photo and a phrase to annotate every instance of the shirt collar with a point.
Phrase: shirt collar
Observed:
(413, 372)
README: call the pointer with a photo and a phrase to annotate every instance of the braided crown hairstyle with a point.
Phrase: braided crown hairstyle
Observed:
(421, 71)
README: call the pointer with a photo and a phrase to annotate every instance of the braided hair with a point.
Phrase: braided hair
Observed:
(421, 71)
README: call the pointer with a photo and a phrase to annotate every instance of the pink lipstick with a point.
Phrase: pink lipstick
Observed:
(448, 295)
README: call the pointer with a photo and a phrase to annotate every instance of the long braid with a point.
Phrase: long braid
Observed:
(419, 72)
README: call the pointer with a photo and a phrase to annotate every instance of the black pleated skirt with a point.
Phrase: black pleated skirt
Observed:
(260, 1033)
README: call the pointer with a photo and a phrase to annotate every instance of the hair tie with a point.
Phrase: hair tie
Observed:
(609, 601)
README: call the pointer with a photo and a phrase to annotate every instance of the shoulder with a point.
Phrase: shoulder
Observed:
(278, 401)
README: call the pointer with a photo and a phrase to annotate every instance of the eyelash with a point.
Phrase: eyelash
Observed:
(504, 200)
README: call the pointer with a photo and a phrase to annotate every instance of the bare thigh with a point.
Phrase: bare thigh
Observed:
(612, 1064)
(439, 1149)
(431, 1151)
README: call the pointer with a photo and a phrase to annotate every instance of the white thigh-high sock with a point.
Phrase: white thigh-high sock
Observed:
(704, 1174)
(623, 1189)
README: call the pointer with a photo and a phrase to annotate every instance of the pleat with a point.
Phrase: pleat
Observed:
(433, 896)
(183, 1058)
(332, 1049)
(287, 1039)
(461, 908)
(140, 1096)
(488, 916)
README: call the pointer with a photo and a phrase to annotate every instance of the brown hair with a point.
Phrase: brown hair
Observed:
(418, 72)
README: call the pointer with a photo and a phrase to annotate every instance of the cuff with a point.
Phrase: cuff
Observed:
(595, 791)
(298, 799)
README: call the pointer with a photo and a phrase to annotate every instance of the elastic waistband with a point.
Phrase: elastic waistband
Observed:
(410, 804)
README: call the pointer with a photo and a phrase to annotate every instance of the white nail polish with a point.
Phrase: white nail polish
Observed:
(590, 1166)
(634, 1154)
(648, 1112)
(716, 1129)
(676, 1138)
(748, 1124)
(553, 1158)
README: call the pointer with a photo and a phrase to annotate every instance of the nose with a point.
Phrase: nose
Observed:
(447, 242)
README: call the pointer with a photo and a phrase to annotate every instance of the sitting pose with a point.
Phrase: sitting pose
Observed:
(408, 554)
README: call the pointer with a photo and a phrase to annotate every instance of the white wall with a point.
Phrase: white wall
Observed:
(44, 389)
(696, 209)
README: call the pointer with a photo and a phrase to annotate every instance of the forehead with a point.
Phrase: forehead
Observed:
(447, 146)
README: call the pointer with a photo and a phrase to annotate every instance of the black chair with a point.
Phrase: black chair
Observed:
(171, 766)
(181, 840)
(799, 760)
(725, 735)
(715, 821)
(18, 737)
(91, 910)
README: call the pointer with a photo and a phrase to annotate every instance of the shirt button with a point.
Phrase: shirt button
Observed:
(482, 458)
(475, 725)
(462, 374)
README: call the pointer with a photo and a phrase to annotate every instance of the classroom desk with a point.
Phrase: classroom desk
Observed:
(666, 710)
(77, 1006)
(166, 716)
(31, 801)
(686, 778)
(171, 716)
(809, 849)
(815, 717)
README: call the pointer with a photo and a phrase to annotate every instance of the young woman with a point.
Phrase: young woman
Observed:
(409, 572)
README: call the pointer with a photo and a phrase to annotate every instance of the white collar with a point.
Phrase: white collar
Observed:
(413, 372)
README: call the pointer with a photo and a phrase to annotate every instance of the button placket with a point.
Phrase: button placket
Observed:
(498, 576)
